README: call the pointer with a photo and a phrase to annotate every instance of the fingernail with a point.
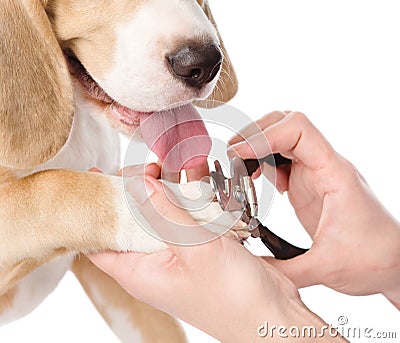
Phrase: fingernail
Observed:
(232, 150)
(232, 139)
(140, 189)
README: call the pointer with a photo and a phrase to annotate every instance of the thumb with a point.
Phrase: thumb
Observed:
(303, 270)
(165, 217)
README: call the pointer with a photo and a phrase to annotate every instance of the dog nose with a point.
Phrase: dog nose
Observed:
(196, 65)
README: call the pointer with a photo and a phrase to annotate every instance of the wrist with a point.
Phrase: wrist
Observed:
(305, 326)
(392, 286)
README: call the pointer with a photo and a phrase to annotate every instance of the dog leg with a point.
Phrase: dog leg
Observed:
(130, 319)
(53, 213)
(56, 212)
(32, 289)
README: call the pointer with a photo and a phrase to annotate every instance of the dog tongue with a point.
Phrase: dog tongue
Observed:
(178, 137)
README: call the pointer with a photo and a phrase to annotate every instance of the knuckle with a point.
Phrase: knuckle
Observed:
(299, 117)
(276, 114)
(326, 154)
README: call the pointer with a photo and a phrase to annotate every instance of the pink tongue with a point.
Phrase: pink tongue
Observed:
(177, 136)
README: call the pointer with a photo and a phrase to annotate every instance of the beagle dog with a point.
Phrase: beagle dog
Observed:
(75, 74)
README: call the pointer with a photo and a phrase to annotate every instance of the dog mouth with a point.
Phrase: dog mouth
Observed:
(123, 114)
(178, 135)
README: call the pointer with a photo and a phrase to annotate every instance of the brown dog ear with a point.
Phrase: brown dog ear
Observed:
(36, 102)
(227, 85)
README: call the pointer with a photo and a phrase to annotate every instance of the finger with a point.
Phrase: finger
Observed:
(294, 137)
(257, 127)
(279, 177)
(151, 169)
(95, 170)
(282, 178)
(172, 224)
(303, 270)
(198, 173)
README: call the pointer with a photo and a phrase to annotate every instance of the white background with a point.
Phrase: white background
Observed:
(337, 61)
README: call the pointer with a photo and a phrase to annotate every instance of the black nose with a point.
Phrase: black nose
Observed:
(196, 65)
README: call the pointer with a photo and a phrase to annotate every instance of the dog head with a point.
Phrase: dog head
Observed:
(133, 57)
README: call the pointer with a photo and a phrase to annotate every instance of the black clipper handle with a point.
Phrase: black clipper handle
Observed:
(274, 160)
(280, 248)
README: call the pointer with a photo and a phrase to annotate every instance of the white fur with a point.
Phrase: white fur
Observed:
(35, 287)
(92, 142)
(120, 324)
(122, 327)
(140, 78)
(131, 236)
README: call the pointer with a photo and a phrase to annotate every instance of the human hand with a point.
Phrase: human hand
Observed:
(356, 247)
(218, 287)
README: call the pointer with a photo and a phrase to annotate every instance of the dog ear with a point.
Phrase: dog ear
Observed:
(227, 85)
(36, 102)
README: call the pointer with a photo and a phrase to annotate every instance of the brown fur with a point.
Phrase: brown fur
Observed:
(44, 109)
(6, 300)
(97, 21)
(6, 175)
(227, 85)
(35, 95)
(65, 216)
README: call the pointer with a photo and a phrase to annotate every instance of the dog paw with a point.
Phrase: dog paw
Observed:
(238, 233)
(134, 234)
(198, 197)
